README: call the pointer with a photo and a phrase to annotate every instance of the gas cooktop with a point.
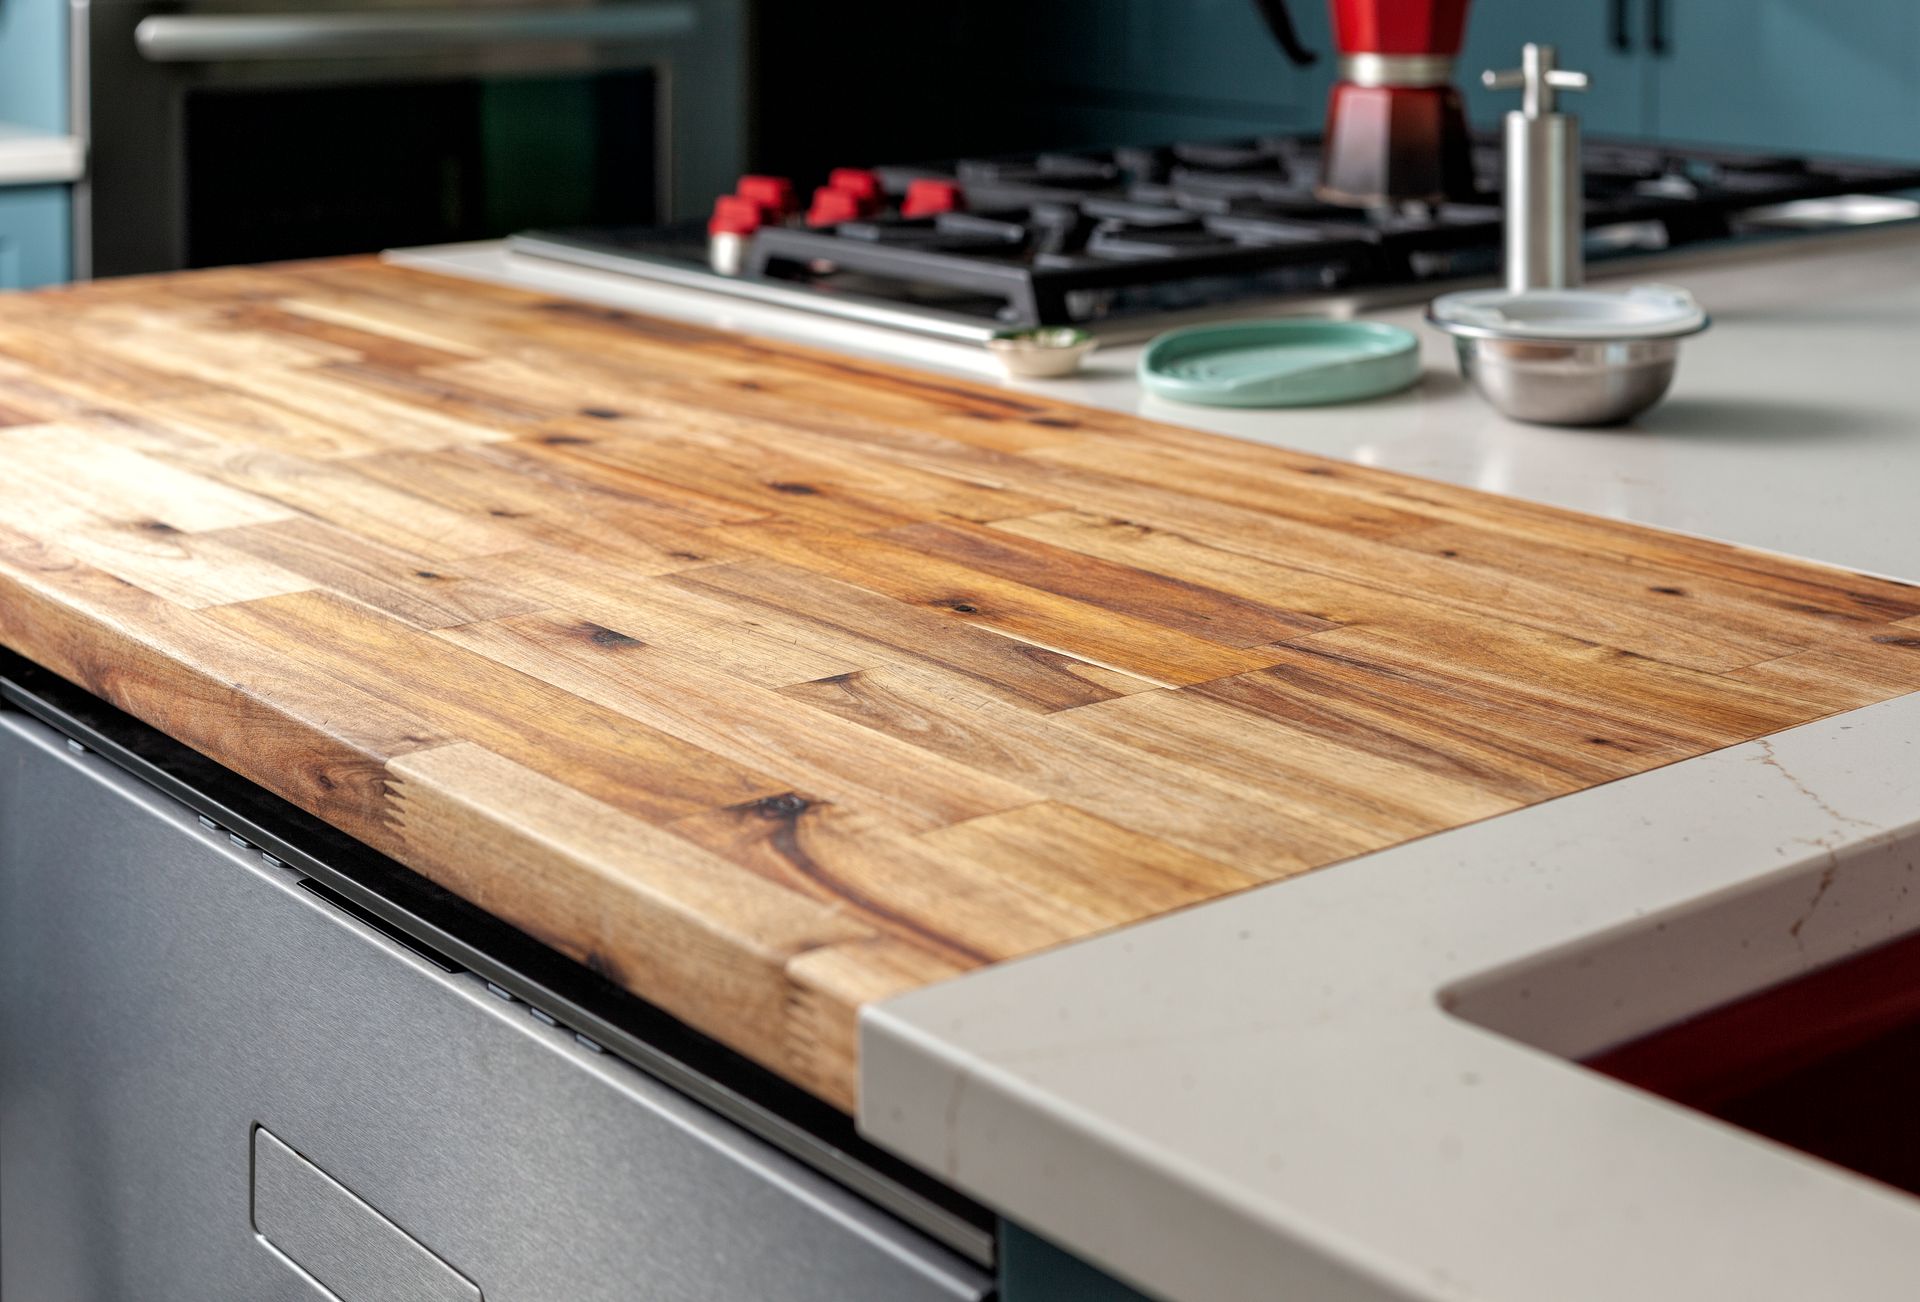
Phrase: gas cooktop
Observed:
(1125, 241)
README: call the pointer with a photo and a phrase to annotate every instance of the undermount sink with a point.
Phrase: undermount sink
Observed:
(1789, 1007)
(1828, 1063)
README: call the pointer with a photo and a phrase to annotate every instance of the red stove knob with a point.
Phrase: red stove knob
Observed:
(735, 215)
(927, 196)
(861, 184)
(831, 206)
(774, 193)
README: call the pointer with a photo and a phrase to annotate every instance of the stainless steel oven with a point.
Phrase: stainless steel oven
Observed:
(225, 131)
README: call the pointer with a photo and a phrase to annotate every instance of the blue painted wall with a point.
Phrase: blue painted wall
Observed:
(35, 238)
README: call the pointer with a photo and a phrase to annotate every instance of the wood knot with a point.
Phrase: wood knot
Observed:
(600, 413)
(608, 637)
(786, 806)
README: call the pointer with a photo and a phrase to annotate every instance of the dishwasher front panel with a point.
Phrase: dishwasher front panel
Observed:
(165, 993)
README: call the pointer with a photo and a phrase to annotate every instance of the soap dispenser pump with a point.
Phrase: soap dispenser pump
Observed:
(1545, 208)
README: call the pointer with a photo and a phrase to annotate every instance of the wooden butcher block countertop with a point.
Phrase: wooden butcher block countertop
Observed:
(771, 683)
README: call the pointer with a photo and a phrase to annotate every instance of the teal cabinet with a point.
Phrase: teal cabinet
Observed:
(1034, 1270)
(34, 236)
(1798, 76)
(1801, 76)
(33, 63)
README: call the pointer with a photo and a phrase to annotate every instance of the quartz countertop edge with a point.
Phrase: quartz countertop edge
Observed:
(1290, 1091)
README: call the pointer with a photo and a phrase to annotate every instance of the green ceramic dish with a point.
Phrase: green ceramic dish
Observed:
(1289, 362)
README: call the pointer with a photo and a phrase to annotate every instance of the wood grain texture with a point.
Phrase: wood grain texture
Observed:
(770, 683)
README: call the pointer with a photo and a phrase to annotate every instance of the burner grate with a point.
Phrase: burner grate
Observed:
(1055, 232)
(1090, 237)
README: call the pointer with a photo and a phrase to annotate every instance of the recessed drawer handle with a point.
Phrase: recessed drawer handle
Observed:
(355, 1253)
(211, 38)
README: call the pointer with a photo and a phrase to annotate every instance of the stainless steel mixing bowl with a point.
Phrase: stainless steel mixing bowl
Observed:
(1569, 356)
(1569, 383)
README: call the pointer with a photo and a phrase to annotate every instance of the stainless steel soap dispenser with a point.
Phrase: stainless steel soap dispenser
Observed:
(1545, 207)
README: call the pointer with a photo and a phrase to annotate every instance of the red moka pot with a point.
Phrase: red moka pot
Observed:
(1400, 27)
(1396, 131)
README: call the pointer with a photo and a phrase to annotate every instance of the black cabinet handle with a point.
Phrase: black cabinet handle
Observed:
(1617, 34)
(1657, 26)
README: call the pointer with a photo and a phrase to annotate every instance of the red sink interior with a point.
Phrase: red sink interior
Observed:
(1828, 1063)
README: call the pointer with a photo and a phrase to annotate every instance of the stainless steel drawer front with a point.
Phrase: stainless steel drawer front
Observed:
(347, 1247)
(166, 990)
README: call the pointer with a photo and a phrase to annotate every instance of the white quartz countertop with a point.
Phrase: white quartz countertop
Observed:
(1297, 1091)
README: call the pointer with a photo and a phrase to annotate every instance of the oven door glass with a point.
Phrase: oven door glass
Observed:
(277, 172)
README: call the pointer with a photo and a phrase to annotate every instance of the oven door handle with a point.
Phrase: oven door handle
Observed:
(218, 38)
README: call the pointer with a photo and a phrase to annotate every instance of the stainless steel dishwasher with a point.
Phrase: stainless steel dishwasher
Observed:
(230, 1070)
